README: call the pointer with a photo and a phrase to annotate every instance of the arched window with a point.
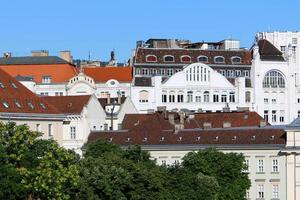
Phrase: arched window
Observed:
(168, 58)
(236, 60)
(143, 96)
(206, 96)
(164, 97)
(231, 97)
(151, 58)
(180, 97)
(274, 79)
(172, 96)
(186, 58)
(190, 96)
(203, 59)
(219, 59)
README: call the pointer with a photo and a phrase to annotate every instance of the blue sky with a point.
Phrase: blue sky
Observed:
(99, 26)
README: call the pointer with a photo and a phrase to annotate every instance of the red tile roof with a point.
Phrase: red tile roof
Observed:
(195, 53)
(68, 104)
(103, 74)
(155, 129)
(16, 98)
(60, 73)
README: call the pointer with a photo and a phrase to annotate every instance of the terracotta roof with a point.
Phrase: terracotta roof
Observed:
(158, 130)
(68, 104)
(16, 98)
(60, 73)
(194, 53)
(103, 74)
(268, 51)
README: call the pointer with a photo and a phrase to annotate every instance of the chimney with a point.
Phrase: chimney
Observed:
(262, 123)
(7, 54)
(119, 98)
(108, 99)
(40, 53)
(171, 119)
(66, 55)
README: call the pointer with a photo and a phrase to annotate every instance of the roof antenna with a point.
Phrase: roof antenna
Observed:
(89, 56)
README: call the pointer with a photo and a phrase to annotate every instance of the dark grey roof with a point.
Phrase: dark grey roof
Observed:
(32, 60)
(269, 52)
(294, 124)
(142, 81)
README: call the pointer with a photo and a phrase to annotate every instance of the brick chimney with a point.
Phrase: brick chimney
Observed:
(66, 55)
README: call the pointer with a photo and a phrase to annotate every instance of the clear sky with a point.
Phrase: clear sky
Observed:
(99, 26)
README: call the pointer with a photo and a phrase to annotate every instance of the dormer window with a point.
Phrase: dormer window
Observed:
(46, 79)
(18, 104)
(5, 104)
(236, 60)
(43, 106)
(151, 58)
(203, 59)
(219, 59)
(168, 58)
(30, 105)
(186, 59)
(1, 85)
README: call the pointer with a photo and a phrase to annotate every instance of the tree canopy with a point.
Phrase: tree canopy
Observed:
(31, 168)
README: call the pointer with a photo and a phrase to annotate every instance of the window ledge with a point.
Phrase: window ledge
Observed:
(260, 172)
(274, 172)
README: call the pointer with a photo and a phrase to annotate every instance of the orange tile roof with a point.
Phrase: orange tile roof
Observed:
(103, 74)
(60, 73)
(16, 98)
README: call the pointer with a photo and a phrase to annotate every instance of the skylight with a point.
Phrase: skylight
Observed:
(18, 104)
(1, 85)
(5, 104)
(30, 105)
(43, 105)
(14, 85)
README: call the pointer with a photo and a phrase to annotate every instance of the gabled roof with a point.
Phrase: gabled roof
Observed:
(268, 51)
(103, 74)
(32, 60)
(60, 73)
(68, 104)
(16, 98)
(193, 53)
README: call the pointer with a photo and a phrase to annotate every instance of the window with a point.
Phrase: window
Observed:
(123, 94)
(5, 104)
(1, 85)
(46, 79)
(42, 106)
(198, 98)
(294, 41)
(14, 85)
(50, 134)
(180, 97)
(266, 100)
(172, 96)
(266, 115)
(282, 49)
(30, 105)
(236, 60)
(298, 100)
(274, 79)
(281, 116)
(231, 97)
(143, 96)
(273, 101)
(151, 58)
(260, 165)
(18, 104)
(206, 96)
(190, 96)
(274, 165)
(275, 191)
(164, 98)
(216, 98)
(185, 58)
(38, 127)
(223, 98)
(274, 116)
(238, 73)
(248, 97)
(261, 194)
(73, 132)
(247, 163)
(230, 73)
(163, 162)
(203, 59)
(219, 59)
(168, 58)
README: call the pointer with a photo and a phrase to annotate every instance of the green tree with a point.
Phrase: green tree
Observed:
(226, 168)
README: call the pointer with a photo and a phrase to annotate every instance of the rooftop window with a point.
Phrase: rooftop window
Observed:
(18, 104)
(236, 60)
(1, 85)
(30, 105)
(46, 79)
(203, 59)
(43, 106)
(151, 58)
(168, 58)
(5, 104)
(219, 59)
(186, 58)
(14, 85)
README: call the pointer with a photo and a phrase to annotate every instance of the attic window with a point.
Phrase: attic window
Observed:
(203, 59)
(1, 85)
(168, 58)
(43, 105)
(14, 85)
(236, 60)
(186, 59)
(30, 105)
(18, 104)
(219, 59)
(151, 58)
(5, 104)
